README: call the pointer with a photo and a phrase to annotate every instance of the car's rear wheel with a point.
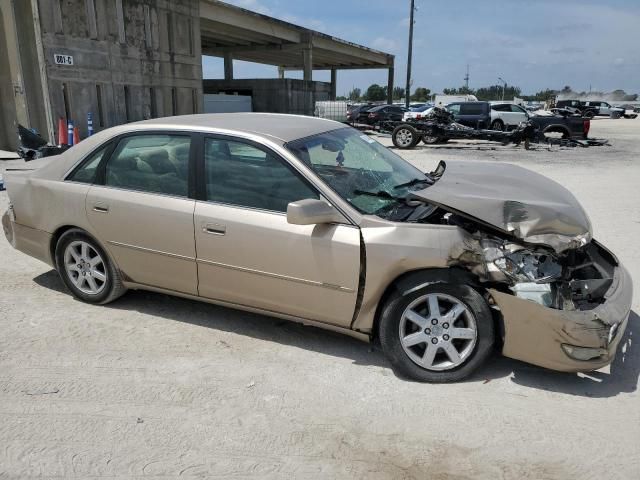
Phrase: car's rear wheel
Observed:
(438, 333)
(405, 137)
(497, 125)
(86, 269)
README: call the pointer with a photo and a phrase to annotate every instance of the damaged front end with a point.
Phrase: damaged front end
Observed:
(565, 311)
(573, 280)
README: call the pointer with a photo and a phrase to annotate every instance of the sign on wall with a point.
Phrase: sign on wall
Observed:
(63, 59)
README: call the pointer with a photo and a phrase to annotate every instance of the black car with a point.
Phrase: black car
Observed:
(472, 114)
(359, 113)
(586, 110)
(385, 113)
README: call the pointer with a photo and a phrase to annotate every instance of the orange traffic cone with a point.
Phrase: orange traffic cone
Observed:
(62, 131)
(76, 136)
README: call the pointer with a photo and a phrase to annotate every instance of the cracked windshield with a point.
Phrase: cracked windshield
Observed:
(369, 176)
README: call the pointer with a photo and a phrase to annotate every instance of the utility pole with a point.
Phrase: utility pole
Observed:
(407, 91)
(466, 79)
(504, 86)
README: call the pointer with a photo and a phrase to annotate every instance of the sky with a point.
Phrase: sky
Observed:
(539, 44)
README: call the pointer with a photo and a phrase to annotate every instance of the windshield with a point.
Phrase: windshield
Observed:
(365, 173)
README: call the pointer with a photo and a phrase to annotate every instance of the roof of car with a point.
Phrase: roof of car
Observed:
(284, 128)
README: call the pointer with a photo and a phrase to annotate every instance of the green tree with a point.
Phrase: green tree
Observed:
(421, 94)
(375, 93)
(398, 93)
(494, 92)
(355, 94)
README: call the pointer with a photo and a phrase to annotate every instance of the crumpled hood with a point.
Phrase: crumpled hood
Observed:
(514, 200)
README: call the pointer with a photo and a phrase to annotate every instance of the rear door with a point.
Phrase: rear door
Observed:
(474, 114)
(247, 252)
(141, 211)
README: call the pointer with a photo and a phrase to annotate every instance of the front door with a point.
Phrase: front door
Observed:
(248, 254)
(142, 213)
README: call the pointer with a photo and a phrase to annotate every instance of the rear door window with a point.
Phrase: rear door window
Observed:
(151, 163)
(471, 109)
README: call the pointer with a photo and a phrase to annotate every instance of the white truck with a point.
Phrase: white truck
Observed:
(444, 100)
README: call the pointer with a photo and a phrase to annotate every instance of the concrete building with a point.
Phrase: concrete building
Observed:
(127, 60)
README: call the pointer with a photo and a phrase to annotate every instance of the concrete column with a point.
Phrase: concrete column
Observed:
(281, 73)
(334, 84)
(307, 61)
(14, 62)
(390, 85)
(228, 66)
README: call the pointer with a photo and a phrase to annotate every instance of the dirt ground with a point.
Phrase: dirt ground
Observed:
(159, 387)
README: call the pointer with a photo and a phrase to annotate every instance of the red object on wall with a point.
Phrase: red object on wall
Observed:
(76, 136)
(62, 131)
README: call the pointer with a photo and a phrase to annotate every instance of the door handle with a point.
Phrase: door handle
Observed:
(214, 229)
(101, 208)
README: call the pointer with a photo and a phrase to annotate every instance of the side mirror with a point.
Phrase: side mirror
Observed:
(312, 212)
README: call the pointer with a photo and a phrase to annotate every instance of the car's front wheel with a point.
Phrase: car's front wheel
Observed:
(86, 269)
(438, 333)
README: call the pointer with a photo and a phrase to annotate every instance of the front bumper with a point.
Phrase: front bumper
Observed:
(536, 334)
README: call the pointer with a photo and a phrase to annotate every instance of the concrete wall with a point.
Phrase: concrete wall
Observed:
(20, 86)
(278, 95)
(133, 59)
(227, 103)
(8, 109)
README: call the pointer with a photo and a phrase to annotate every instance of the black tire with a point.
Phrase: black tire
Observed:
(497, 125)
(111, 289)
(389, 333)
(431, 140)
(411, 136)
(588, 114)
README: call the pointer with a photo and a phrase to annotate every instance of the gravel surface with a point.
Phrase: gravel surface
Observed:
(159, 387)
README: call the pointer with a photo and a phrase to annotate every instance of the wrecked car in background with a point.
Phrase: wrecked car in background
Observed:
(33, 146)
(314, 222)
(438, 125)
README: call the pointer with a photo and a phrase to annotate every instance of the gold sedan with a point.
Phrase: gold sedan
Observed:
(315, 222)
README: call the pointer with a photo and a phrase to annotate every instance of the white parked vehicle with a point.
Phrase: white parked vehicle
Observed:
(444, 100)
(604, 109)
(417, 113)
(505, 115)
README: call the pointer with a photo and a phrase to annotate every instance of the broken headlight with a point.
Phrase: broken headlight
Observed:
(515, 264)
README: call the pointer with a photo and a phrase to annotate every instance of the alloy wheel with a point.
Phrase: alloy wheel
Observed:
(438, 332)
(85, 267)
(404, 137)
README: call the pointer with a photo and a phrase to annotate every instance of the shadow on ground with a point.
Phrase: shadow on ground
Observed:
(622, 377)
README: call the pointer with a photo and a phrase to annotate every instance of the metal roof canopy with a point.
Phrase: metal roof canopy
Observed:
(232, 32)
